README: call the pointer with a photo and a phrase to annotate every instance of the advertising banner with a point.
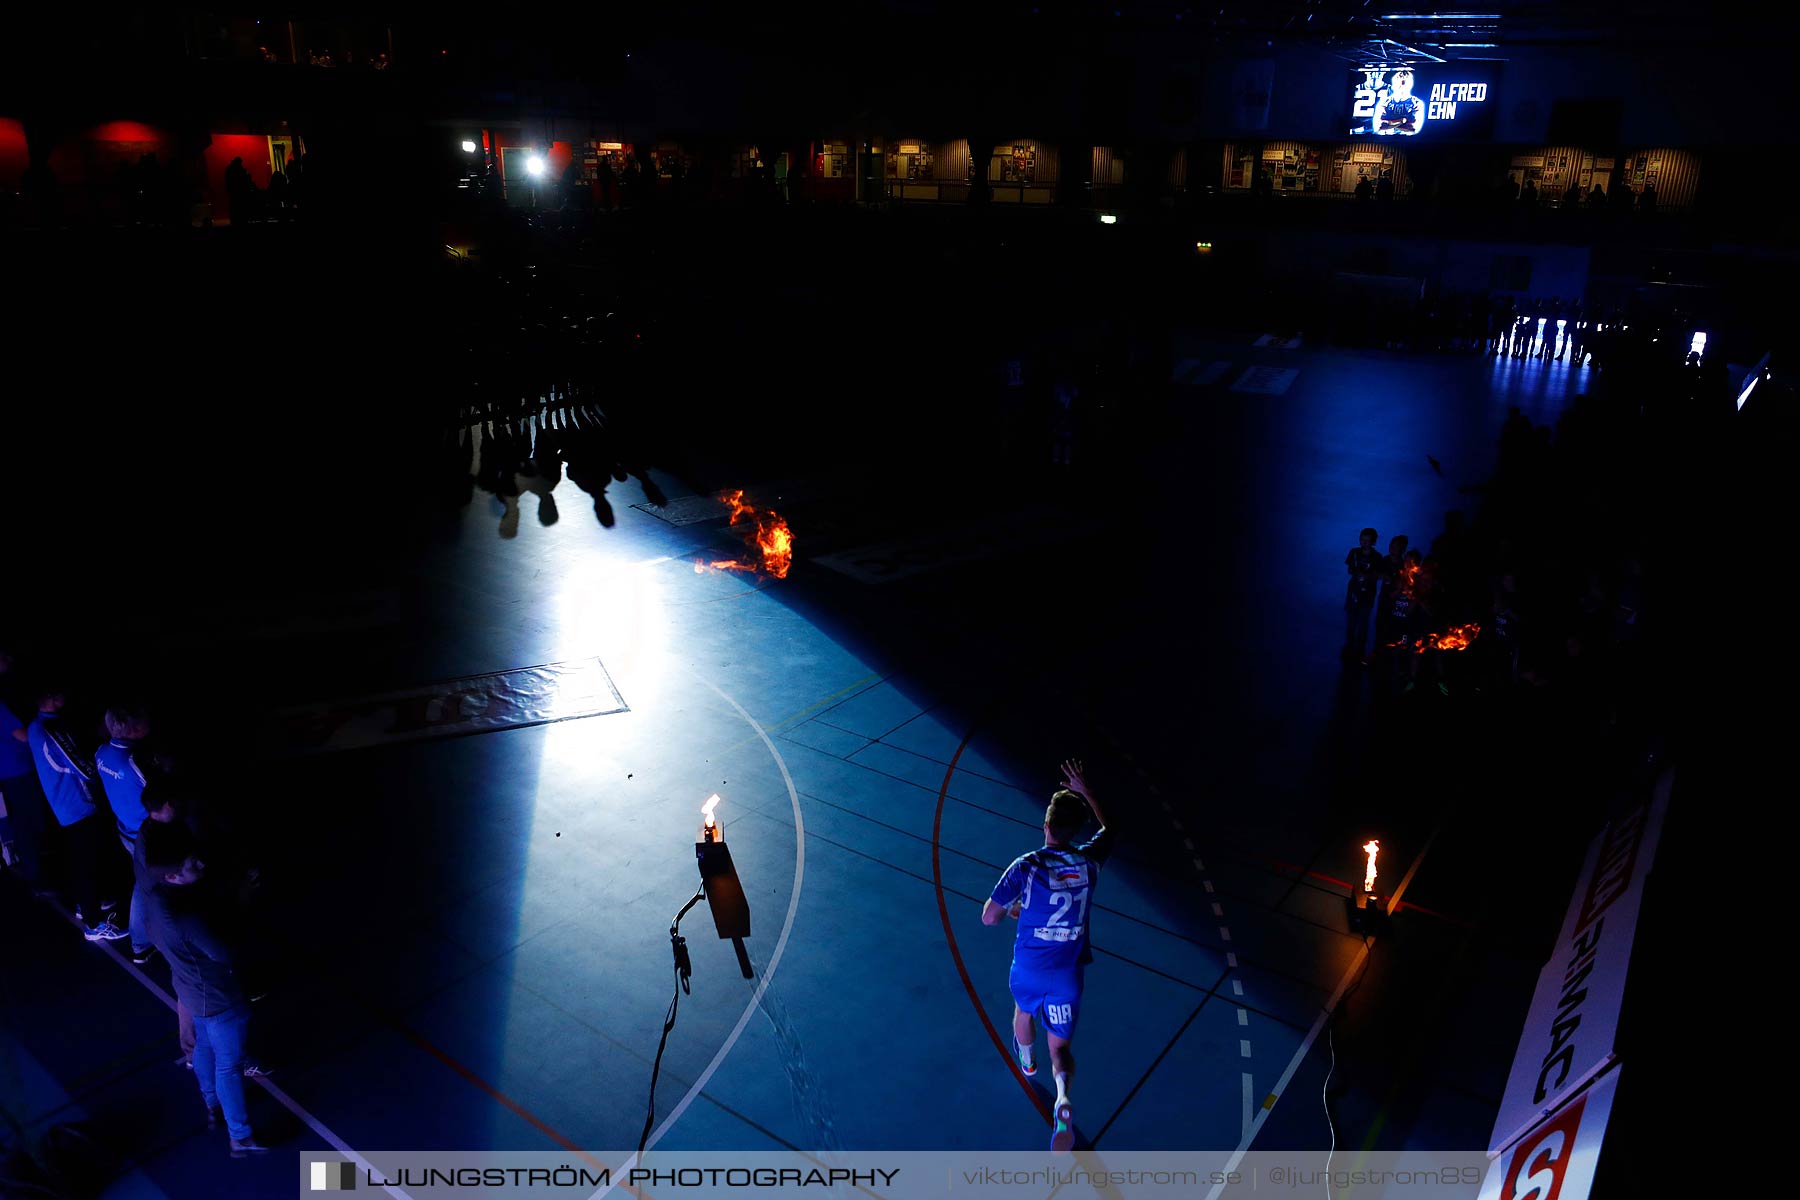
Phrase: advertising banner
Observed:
(1574, 1019)
(1556, 1160)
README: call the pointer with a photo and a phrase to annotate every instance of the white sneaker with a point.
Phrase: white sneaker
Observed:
(1063, 1140)
(1027, 1062)
(105, 931)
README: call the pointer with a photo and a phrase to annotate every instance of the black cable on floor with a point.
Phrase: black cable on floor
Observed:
(683, 970)
(1331, 1043)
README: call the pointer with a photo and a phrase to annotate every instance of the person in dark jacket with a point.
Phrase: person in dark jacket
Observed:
(159, 809)
(72, 786)
(1364, 564)
(164, 803)
(183, 921)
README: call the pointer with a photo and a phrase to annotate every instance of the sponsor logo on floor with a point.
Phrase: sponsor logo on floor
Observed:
(474, 704)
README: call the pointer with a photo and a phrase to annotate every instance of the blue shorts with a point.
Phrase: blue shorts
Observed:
(1053, 997)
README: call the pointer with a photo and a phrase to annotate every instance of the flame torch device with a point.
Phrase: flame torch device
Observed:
(719, 880)
(1366, 912)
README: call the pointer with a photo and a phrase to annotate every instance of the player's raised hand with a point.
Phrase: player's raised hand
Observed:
(1072, 777)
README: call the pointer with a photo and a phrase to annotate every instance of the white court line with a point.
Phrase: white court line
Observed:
(282, 1098)
(1243, 1016)
(1252, 1127)
(1249, 1092)
(1237, 987)
(1406, 880)
(1312, 1035)
(1244, 1047)
(768, 972)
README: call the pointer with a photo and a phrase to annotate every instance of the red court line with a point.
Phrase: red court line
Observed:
(524, 1113)
(1347, 886)
(937, 881)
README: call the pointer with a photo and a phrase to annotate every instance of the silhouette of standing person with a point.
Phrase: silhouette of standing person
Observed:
(604, 181)
(239, 188)
(541, 471)
(1621, 197)
(588, 452)
(1364, 564)
(278, 187)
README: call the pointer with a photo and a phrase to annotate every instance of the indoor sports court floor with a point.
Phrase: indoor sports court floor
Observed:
(470, 934)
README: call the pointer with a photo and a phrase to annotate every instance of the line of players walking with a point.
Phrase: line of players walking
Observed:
(1546, 329)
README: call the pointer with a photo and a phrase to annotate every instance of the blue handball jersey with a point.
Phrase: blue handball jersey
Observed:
(1056, 887)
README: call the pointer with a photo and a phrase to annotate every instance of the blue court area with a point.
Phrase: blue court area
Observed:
(467, 937)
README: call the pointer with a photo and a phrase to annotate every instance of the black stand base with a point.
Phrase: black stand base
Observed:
(1368, 914)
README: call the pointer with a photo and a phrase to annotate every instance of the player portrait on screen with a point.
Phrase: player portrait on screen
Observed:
(1398, 111)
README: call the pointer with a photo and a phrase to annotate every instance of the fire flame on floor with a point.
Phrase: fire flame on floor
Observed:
(1370, 848)
(765, 533)
(1457, 637)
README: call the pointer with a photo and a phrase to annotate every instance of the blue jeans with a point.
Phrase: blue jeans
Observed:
(219, 1066)
(140, 931)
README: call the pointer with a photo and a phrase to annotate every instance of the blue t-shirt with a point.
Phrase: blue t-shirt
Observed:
(124, 785)
(67, 775)
(1056, 884)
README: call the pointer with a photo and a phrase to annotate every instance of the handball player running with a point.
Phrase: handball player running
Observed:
(1050, 891)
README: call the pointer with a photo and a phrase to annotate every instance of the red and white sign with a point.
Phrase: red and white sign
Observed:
(1556, 1161)
(473, 704)
(1574, 1019)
